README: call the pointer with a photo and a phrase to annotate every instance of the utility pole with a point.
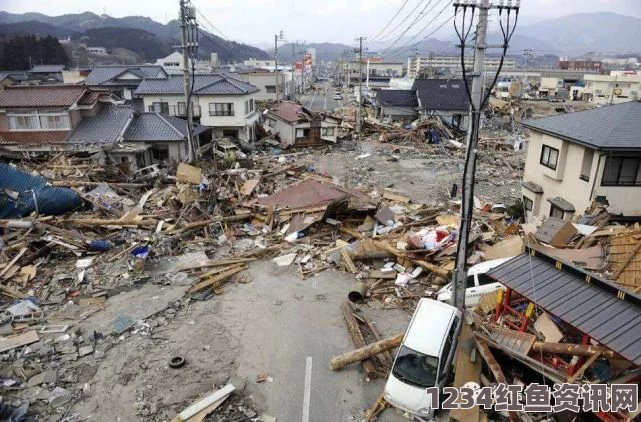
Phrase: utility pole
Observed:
(477, 101)
(188, 48)
(359, 123)
(293, 89)
(276, 64)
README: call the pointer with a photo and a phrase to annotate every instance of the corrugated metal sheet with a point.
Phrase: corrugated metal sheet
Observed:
(33, 195)
(591, 304)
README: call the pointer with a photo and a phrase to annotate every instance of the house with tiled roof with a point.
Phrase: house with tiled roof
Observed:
(295, 126)
(445, 98)
(576, 158)
(40, 117)
(396, 104)
(122, 80)
(53, 118)
(225, 104)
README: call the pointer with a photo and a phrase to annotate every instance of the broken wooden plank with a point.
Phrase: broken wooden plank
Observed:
(216, 279)
(248, 187)
(626, 260)
(341, 361)
(12, 342)
(12, 262)
(214, 263)
(205, 402)
(395, 196)
(108, 222)
(188, 174)
(357, 337)
(349, 264)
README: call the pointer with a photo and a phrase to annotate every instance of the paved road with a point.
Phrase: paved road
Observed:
(291, 328)
(321, 100)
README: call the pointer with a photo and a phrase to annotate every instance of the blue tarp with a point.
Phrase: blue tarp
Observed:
(33, 194)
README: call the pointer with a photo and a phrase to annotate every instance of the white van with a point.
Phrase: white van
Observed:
(425, 357)
(478, 283)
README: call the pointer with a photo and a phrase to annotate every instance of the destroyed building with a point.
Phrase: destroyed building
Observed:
(296, 126)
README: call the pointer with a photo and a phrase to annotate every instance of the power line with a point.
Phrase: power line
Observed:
(391, 20)
(225, 37)
(403, 48)
(415, 21)
(401, 22)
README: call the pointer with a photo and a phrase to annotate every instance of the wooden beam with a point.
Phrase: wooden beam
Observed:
(357, 337)
(341, 361)
(12, 262)
(349, 264)
(572, 349)
(216, 279)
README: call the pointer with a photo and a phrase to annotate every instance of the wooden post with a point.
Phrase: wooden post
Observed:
(571, 349)
(357, 337)
(341, 361)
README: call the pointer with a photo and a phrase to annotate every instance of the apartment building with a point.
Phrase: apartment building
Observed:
(416, 64)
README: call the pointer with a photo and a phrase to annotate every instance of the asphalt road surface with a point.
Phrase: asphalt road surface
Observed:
(320, 100)
(290, 328)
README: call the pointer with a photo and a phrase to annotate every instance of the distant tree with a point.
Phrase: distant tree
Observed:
(19, 52)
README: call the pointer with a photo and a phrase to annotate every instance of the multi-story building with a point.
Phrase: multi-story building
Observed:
(225, 104)
(587, 65)
(375, 70)
(122, 80)
(260, 64)
(611, 89)
(416, 65)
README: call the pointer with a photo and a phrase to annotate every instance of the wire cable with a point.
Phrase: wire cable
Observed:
(404, 48)
(414, 22)
(400, 23)
(391, 20)
(225, 37)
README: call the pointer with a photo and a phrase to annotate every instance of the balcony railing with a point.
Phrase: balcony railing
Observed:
(176, 110)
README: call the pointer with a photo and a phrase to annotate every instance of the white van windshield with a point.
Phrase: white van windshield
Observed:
(415, 368)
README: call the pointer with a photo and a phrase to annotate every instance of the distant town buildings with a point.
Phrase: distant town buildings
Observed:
(588, 65)
(611, 89)
(416, 65)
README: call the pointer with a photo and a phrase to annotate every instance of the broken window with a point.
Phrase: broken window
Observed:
(182, 109)
(622, 171)
(586, 166)
(528, 204)
(271, 89)
(302, 133)
(327, 131)
(556, 212)
(160, 153)
(549, 157)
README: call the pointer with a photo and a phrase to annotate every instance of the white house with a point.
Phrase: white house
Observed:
(576, 158)
(611, 89)
(225, 104)
(296, 126)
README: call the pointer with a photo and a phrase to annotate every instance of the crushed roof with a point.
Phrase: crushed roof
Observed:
(441, 94)
(612, 127)
(104, 127)
(290, 111)
(41, 95)
(211, 84)
(397, 97)
(151, 127)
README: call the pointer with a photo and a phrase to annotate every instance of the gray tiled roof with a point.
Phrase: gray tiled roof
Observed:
(47, 68)
(397, 97)
(105, 127)
(104, 75)
(612, 127)
(211, 84)
(150, 127)
(441, 94)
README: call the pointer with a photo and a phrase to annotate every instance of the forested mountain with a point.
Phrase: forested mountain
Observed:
(23, 51)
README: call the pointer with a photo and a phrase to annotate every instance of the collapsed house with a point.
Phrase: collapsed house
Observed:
(294, 125)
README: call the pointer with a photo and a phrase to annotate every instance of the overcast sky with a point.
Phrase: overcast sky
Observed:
(256, 21)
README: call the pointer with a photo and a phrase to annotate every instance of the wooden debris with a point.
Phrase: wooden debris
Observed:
(341, 361)
(357, 337)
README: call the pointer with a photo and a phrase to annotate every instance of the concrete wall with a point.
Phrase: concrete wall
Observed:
(566, 182)
(261, 81)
